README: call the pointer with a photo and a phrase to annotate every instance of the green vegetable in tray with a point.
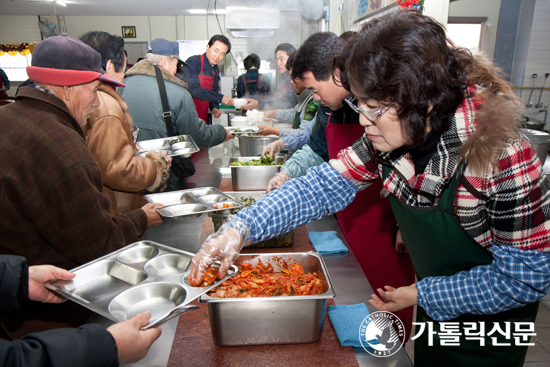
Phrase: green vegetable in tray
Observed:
(247, 201)
(264, 160)
(244, 131)
(179, 139)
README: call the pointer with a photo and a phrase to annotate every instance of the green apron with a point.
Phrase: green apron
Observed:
(439, 246)
(297, 119)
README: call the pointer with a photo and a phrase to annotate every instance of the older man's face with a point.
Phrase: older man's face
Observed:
(81, 100)
(325, 91)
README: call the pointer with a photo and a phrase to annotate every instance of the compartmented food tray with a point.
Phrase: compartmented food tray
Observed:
(192, 203)
(253, 177)
(282, 240)
(143, 276)
(182, 145)
(272, 320)
(242, 130)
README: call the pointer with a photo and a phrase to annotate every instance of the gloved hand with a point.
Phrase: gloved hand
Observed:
(224, 245)
(277, 181)
(274, 147)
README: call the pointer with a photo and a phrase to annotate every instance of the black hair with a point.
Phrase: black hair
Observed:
(223, 39)
(252, 60)
(290, 61)
(347, 36)
(316, 56)
(286, 47)
(110, 47)
(405, 59)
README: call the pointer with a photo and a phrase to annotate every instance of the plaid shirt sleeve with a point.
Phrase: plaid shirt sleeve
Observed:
(322, 191)
(514, 278)
(300, 161)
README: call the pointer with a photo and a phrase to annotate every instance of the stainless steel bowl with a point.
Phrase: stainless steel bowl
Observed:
(251, 146)
(540, 141)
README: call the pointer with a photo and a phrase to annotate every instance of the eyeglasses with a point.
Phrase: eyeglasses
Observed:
(372, 116)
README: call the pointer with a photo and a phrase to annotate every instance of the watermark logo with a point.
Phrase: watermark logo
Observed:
(382, 334)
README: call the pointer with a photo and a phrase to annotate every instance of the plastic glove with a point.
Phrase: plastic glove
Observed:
(274, 147)
(277, 181)
(224, 245)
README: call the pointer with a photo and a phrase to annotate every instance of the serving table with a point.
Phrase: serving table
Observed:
(187, 341)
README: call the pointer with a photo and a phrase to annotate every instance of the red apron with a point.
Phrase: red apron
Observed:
(206, 82)
(370, 228)
(257, 81)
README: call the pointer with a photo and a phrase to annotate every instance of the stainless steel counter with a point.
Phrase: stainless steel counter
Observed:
(349, 281)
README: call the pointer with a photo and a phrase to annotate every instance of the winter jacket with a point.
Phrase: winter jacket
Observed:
(87, 346)
(51, 188)
(142, 96)
(109, 136)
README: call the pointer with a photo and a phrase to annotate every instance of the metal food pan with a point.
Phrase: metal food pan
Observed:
(282, 240)
(244, 130)
(143, 276)
(272, 320)
(192, 203)
(253, 177)
(171, 145)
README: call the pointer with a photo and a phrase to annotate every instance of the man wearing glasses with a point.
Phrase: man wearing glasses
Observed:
(203, 77)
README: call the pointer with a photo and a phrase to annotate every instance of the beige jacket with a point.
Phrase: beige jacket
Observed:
(109, 136)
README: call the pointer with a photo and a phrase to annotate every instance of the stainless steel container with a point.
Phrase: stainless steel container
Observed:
(253, 177)
(272, 320)
(540, 141)
(251, 145)
(143, 276)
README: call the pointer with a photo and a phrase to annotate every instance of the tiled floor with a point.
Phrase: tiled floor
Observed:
(539, 354)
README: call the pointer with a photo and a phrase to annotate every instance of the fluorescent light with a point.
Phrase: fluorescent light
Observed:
(203, 11)
(60, 2)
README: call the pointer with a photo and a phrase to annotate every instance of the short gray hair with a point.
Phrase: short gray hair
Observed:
(155, 58)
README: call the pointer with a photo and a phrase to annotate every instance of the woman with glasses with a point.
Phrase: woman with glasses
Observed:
(467, 189)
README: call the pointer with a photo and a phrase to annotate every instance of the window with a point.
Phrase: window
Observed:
(467, 32)
(15, 66)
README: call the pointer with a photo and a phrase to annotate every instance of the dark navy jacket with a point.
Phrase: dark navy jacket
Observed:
(192, 79)
(263, 84)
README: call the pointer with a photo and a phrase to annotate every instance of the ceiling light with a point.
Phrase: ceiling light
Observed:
(60, 2)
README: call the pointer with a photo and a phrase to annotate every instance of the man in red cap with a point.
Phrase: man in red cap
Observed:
(53, 208)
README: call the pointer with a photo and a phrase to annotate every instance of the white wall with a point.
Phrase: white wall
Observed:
(477, 8)
(16, 29)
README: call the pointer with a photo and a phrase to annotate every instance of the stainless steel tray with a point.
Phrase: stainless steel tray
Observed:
(143, 276)
(272, 320)
(253, 177)
(180, 148)
(245, 130)
(192, 203)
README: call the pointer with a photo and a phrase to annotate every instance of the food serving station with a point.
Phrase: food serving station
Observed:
(220, 333)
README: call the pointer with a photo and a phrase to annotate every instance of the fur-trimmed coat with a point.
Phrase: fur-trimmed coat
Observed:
(501, 165)
(144, 104)
(109, 136)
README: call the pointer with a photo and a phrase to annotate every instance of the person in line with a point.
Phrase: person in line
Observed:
(4, 84)
(51, 185)
(88, 346)
(143, 98)
(252, 83)
(467, 189)
(109, 135)
(283, 96)
(299, 116)
(203, 77)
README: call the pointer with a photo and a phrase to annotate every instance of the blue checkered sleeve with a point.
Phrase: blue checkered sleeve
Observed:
(322, 191)
(513, 279)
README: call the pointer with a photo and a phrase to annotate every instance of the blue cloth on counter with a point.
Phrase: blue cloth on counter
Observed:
(327, 242)
(347, 320)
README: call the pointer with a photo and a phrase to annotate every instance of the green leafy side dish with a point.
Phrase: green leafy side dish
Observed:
(179, 139)
(264, 160)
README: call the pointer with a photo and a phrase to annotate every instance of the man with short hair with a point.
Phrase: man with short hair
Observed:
(51, 186)
(203, 77)
(252, 83)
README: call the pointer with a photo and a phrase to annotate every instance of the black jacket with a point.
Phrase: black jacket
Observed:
(89, 345)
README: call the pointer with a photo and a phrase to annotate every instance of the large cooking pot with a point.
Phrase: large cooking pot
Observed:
(252, 145)
(540, 141)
